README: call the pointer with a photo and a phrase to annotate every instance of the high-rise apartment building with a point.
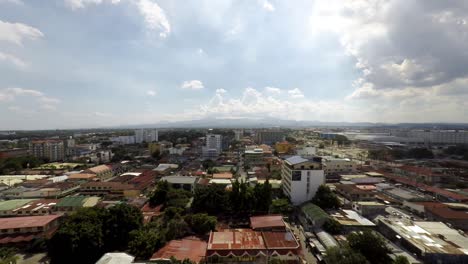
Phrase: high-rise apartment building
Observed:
(213, 146)
(51, 149)
(301, 178)
(146, 135)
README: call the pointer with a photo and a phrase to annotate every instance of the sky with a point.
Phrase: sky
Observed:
(97, 63)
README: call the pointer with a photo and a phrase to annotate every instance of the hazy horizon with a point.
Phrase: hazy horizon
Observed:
(101, 63)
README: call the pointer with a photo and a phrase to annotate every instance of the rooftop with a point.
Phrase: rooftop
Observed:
(98, 169)
(267, 221)
(180, 179)
(72, 201)
(429, 237)
(236, 239)
(26, 221)
(187, 248)
(351, 218)
(116, 258)
(280, 240)
(224, 175)
(296, 160)
(14, 204)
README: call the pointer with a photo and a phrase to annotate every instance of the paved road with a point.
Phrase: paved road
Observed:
(309, 257)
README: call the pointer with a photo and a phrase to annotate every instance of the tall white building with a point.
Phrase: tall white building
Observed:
(301, 178)
(238, 134)
(213, 144)
(144, 135)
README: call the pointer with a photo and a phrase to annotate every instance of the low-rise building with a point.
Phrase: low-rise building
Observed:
(283, 147)
(102, 172)
(7, 208)
(311, 216)
(369, 209)
(247, 245)
(18, 230)
(187, 183)
(109, 189)
(432, 242)
(352, 193)
(73, 203)
(333, 165)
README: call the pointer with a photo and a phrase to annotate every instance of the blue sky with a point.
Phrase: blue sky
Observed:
(94, 63)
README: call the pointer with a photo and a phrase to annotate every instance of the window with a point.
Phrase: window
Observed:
(296, 176)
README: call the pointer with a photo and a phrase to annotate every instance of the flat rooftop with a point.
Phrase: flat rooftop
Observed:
(180, 179)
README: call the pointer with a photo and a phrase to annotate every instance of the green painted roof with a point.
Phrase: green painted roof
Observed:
(313, 211)
(13, 204)
(71, 201)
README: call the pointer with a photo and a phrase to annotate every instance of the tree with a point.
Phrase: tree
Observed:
(8, 255)
(344, 255)
(370, 245)
(332, 226)
(400, 260)
(325, 198)
(79, 239)
(201, 223)
(281, 206)
(121, 220)
(144, 242)
(212, 199)
(159, 196)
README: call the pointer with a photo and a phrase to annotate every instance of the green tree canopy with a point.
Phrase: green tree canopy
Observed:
(400, 260)
(159, 196)
(344, 255)
(325, 198)
(201, 223)
(371, 245)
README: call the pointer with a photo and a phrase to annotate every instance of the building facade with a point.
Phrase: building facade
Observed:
(54, 150)
(213, 146)
(270, 137)
(301, 178)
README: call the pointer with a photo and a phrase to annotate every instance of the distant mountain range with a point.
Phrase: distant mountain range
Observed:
(271, 122)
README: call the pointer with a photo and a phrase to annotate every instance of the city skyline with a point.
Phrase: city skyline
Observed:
(100, 63)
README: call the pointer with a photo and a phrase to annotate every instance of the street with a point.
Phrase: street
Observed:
(309, 257)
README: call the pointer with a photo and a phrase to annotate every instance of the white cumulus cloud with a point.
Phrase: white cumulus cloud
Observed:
(19, 63)
(155, 17)
(295, 93)
(192, 85)
(17, 32)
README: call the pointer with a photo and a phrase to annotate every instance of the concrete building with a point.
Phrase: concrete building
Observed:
(146, 135)
(123, 140)
(301, 178)
(238, 134)
(187, 183)
(306, 151)
(51, 149)
(333, 165)
(269, 137)
(438, 136)
(213, 146)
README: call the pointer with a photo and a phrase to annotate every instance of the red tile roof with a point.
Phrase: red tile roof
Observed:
(267, 221)
(27, 221)
(191, 248)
